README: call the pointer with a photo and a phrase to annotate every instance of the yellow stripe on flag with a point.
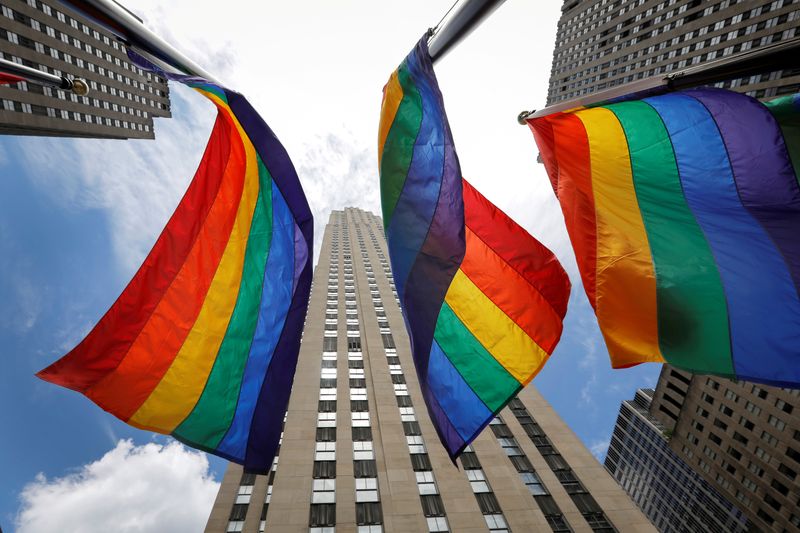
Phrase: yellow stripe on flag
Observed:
(500, 335)
(177, 393)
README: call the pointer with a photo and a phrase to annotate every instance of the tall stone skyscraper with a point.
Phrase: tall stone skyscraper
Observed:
(49, 36)
(359, 453)
(669, 491)
(742, 438)
(602, 44)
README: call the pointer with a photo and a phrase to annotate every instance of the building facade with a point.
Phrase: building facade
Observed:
(360, 454)
(742, 438)
(48, 36)
(673, 496)
(602, 44)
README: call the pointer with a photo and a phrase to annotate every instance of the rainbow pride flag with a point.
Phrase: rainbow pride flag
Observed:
(684, 213)
(483, 301)
(203, 342)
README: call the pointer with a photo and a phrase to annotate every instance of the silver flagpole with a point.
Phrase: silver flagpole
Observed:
(141, 38)
(76, 85)
(463, 19)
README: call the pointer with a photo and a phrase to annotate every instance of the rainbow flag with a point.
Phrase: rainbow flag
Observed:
(203, 342)
(483, 301)
(684, 213)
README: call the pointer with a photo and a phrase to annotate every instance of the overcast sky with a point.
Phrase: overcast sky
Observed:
(78, 216)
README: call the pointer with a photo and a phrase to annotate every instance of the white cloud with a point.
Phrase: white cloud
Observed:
(337, 172)
(599, 448)
(131, 489)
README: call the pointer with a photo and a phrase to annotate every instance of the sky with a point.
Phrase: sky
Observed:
(78, 216)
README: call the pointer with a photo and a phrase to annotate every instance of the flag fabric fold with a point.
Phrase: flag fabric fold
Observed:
(483, 301)
(203, 342)
(684, 211)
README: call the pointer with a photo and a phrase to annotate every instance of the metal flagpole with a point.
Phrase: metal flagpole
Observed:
(463, 18)
(76, 85)
(139, 36)
(777, 56)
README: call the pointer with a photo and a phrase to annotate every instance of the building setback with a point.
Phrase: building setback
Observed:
(359, 452)
(49, 36)
(742, 438)
(606, 43)
(673, 496)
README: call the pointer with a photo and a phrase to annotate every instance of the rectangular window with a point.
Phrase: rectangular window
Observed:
(324, 491)
(533, 483)
(362, 450)
(477, 480)
(360, 419)
(426, 484)
(366, 490)
(322, 515)
(325, 451)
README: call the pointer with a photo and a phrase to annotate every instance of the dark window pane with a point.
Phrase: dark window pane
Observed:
(327, 406)
(326, 434)
(432, 505)
(420, 462)
(556, 462)
(324, 469)
(501, 431)
(369, 514)
(488, 503)
(411, 428)
(547, 504)
(470, 461)
(585, 503)
(362, 433)
(404, 401)
(358, 406)
(365, 468)
(322, 515)
(521, 463)
(238, 511)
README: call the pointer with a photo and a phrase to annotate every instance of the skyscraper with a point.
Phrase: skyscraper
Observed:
(47, 35)
(359, 452)
(606, 43)
(673, 496)
(742, 438)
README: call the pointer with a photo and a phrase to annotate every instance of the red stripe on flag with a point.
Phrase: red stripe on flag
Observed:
(564, 146)
(125, 389)
(108, 342)
(511, 242)
(511, 293)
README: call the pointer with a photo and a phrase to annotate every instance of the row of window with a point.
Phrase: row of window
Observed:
(672, 495)
(77, 25)
(85, 64)
(616, 33)
(584, 501)
(580, 54)
(753, 449)
(75, 116)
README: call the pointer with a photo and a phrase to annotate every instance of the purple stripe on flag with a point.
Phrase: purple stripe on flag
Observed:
(273, 398)
(763, 172)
